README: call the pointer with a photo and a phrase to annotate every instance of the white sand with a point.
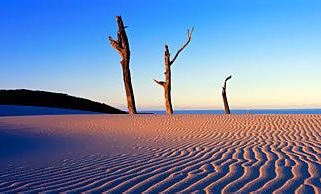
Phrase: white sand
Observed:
(160, 153)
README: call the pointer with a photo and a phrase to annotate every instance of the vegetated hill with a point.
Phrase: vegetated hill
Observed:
(54, 100)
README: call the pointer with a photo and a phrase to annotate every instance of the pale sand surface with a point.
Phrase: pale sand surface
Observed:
(160, 153)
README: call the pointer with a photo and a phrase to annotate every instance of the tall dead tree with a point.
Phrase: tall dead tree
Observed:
(226, 106)
(121, 45)
(167, 83)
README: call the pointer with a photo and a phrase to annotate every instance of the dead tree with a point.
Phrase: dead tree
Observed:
(226, 106)
(167, 83)
(121, 45)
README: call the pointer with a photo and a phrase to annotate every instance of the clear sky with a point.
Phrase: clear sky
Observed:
(272, 48)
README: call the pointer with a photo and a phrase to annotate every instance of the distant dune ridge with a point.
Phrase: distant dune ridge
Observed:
(161, 153)
(55, 100)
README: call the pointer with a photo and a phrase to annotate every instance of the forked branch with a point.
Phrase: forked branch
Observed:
(121, 44)
(189, 37)
(116, 45)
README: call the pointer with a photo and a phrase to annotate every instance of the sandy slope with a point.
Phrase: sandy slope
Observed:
(159, 153)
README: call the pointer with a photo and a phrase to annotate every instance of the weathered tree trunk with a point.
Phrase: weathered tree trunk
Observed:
(122, 47)
(167, 84)
(226, 106)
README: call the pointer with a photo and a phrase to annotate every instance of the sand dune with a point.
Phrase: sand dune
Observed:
(160, 153)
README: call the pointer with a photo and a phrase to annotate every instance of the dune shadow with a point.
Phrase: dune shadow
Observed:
(18, 145)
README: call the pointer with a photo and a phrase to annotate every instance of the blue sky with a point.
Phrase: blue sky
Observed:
(270, 47)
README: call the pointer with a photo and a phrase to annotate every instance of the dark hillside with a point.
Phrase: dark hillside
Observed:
(54, 100)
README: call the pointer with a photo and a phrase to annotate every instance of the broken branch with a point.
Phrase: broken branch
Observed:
(159, 82)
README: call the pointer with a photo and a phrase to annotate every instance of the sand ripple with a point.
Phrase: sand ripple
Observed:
(179, 153)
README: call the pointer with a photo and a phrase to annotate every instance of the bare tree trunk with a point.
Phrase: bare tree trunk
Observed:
(167, 84)
(226, 106)
(122, 47)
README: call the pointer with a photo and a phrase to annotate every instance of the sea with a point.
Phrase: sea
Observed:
(11, 110)
(242, 111)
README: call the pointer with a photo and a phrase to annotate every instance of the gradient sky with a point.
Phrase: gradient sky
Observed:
(272, 48)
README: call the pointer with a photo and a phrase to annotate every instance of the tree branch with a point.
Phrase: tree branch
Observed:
(189, 37)
(229, 77)
(160, 82)
(116, 46)
(121, 44)
(122, 37)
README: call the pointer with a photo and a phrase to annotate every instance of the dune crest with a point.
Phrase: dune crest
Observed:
(162, 153)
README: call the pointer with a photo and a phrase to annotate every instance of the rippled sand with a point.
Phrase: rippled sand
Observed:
(161, 153)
